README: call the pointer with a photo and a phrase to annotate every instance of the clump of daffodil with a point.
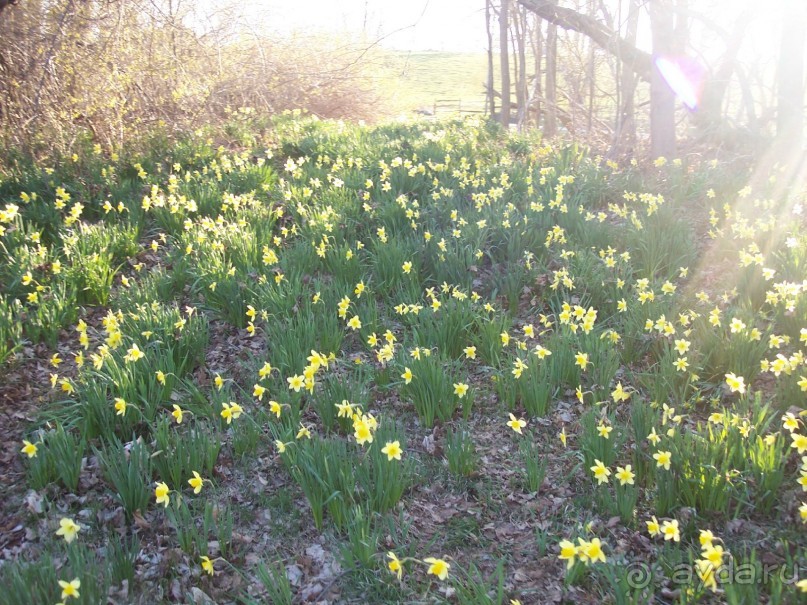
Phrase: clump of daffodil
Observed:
(364, 426)
(711, 561)
(601, 472)
(231, 411)
(668, 529)
(587, 551)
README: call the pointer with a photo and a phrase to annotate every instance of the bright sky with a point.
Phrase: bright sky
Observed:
(459, 25)
(452, 25)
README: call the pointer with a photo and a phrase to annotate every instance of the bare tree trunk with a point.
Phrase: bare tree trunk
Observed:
(710, 113)
(604, 37)
(505, 63)
(662, 98)
(550, 89)
(491, 97)
(625, 131)
(537, 49)
(521, 79)
(592, 79)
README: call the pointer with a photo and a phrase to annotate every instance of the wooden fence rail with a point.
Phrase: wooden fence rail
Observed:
(455, 106)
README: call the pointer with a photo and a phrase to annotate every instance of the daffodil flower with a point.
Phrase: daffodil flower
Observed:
(393, 450)
(516, 424)
(437, 567)
(68, 529)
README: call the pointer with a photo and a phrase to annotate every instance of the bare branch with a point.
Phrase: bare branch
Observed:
(638, 60)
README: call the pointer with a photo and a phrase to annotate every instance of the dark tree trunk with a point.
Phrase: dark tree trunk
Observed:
(625, 131)
(521, 79)
(591, 77)
(491, 97)
(551, 88)
(505, 63)
(537, 49)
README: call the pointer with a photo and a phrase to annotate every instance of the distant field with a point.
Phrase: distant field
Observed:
(417, 79)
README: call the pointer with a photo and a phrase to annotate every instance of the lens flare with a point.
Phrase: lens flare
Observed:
(685, 76)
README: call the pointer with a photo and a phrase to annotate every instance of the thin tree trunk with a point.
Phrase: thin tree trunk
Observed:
(625, 132)
(521, 80)
(491, 97)
(662, 98)
(592, 80)
(550, 89)
(537, 49)
(505, 63)
(709, 115)
(603, 36)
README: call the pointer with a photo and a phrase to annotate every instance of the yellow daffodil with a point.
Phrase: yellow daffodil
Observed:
(395, 565)
(735, 383)
(120, 406)
(196, 482)
(625, 475)
(392, 450)
(230, 411)
(516, 424)
(28, 448)
(296, 383)
(799, 442)
(134, 354)
(68, 529)
(568, 552)
(437, 567)
(70, 589)
(669, 529)
(362, 432)
(663, 459)
(593, 551)
(161, 493)
(601, 472)
(604, 430)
